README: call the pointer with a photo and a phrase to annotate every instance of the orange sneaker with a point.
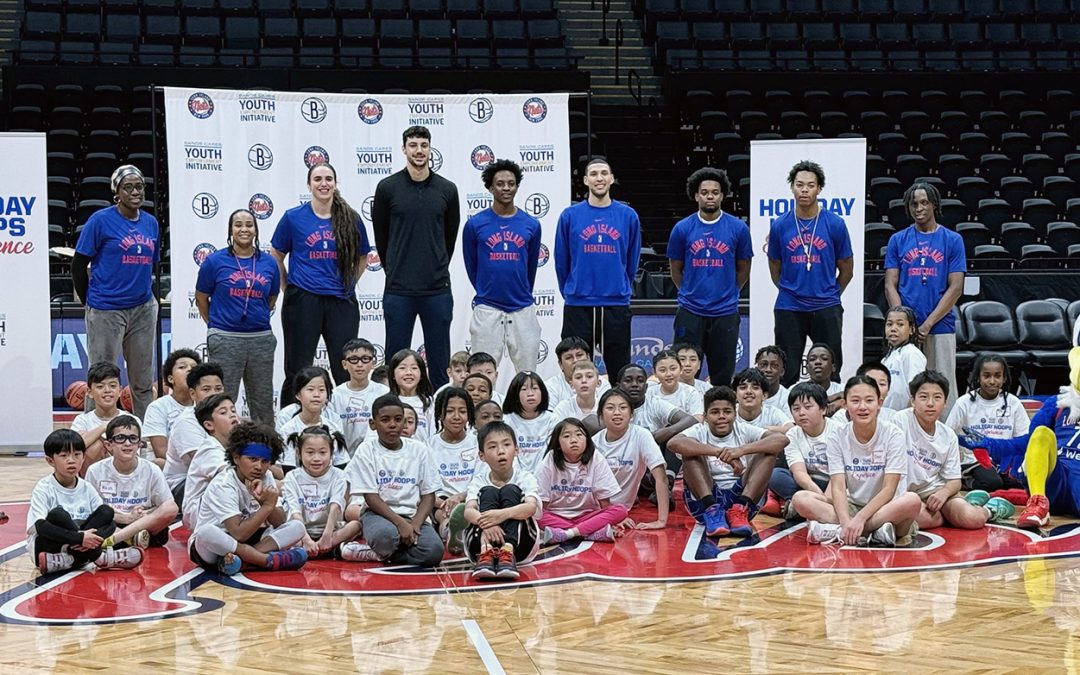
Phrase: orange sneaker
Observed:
(1036, 513)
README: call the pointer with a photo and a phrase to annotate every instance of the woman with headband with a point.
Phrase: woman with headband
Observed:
(119, 244)
(235, 292)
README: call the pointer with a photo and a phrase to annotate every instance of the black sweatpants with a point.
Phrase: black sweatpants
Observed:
(305, 317)
(978, 477)
(792, 329)
(515, 532)
(58, 529)
(716, 336)
(608, 327)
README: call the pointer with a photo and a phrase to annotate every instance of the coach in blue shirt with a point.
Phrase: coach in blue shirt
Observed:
(924, 269)
(811, 264)
(710, 254)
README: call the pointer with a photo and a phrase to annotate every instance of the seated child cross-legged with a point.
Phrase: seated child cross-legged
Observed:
(240, 521)
(807, 459)
(867, 501)
(500, 504)
(454, 453)
(315, 493)
(726, 466)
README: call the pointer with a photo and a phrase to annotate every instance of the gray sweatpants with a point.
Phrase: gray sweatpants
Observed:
(247, 357)
(940, 351)
(383, 538)
(112, 332)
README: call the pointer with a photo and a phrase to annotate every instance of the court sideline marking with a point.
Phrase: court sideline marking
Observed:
(487, 654)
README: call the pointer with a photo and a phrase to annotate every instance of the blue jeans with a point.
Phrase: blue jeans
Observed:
(784, 485)
(435, 312)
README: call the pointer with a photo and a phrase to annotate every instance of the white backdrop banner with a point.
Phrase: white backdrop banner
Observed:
(252, 149)
(25, 359)
(844, 162)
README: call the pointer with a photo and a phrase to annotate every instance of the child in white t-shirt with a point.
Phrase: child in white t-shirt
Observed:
(820, 366)
(668, 387)
(880, 374)
(186, 434)
(316, 493)
(806, 452)
(486, 412)
(690, 366)
(770, 361)
(903, 359)
(217, 416)
(454, 454)
(526, 411)
(163, 411)
(350, 402)
(585, 380)
(408, 380)
(569, 351)
(103, 381)
(631, 452)
(312, 386)
(750, 386)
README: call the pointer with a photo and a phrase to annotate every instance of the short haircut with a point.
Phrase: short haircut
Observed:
(771, 349)
(122, 422)
(932, 195)
(584, 365)
(379, 374)
(415, 132)
(205, 369)
(479, 376)
(808, 391)
(750, 376)
(204, 412)
(485, 403)
(664, 354)
(460, 358)
(807, 165)
(175, 356)
(568, 343)
(929, 377)
(63, 440)
(357, 344)
(597, 159)
(721, 393)
(101, 371)
(494, 427)
(682, 346)
(479, 359)
(627, 368)
(488, 176)
(826, 347)
(693, 183)
(862, 379)
(253, 432)
(442, 400)
(512, 402)
(385, 401)
(875, 365)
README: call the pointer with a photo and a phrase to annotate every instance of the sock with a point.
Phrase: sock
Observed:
(707, 501)
(1040, 459)
(508, 548)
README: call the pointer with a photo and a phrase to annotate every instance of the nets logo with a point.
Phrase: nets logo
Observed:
(261, 206)
(482, 156)
(542, 354)
(740, 348)
(365, 208)
(370, 111)
(313, 110)
(260, 157)
(435, 161)
(316, 155)
(537, 205)
(201, 349)
(374, 262)
(481, 110)
(202, 252)
(200, 105)
(535, 109)
(544, 256)
(204, 205)
(380, 353)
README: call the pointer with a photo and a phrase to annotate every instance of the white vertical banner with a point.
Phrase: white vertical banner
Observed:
(844, 163)
(25, 325)
(252, 149)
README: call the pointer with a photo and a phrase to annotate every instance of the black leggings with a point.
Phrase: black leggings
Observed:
(304, 318)
(58, 529)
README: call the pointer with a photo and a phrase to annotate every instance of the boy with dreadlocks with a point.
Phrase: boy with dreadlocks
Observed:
(924, 270)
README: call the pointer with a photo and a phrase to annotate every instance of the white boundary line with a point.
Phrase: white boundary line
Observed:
(487, 654)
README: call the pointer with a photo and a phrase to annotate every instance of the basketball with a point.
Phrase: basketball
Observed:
(75, 394)
(125, 398)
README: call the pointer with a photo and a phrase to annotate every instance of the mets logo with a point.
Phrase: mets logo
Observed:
(535, 109)
(537, 205)
(316, 155)
(435, 161)
(261, 206)
(542, 354)
(482, 155)
(481, 110)
(544, 256)
(200, 105)
(204, 205)
(370, 111)
(374, 262)
(202, 252)
(313, 110)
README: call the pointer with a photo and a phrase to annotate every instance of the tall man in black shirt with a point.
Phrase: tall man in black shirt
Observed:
(415, 218)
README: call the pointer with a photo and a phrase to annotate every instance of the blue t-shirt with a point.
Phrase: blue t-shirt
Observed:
(925, 262)
(501, 254)
(240, 290)
(802, 289)
(596, 254)
(122, 254)
(708, 252)
(309, 241)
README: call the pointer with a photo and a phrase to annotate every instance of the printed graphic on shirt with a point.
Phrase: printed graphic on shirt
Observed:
(602, 234)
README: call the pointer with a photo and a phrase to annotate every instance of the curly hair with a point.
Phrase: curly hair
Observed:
(488, 176)
(443, 400)
(253, 432)
(807, 165)
(693, 183)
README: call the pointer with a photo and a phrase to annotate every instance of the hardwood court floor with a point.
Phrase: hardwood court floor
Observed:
(1015, 615)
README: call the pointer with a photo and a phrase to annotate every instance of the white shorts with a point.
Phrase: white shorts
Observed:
(493, 331)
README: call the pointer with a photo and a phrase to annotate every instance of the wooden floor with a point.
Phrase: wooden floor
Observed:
(1017, 614)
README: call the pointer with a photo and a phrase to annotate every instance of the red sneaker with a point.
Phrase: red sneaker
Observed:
(1036, 514)
(773, 506)
(738, 518)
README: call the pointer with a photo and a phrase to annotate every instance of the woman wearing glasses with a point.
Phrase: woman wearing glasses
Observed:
(121, 244)
(235, 292)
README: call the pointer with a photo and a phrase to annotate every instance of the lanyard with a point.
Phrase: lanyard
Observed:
(801, 232)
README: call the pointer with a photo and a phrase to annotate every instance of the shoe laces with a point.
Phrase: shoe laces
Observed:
(505, 556)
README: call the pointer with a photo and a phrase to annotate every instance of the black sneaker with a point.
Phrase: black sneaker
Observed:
(487, 567)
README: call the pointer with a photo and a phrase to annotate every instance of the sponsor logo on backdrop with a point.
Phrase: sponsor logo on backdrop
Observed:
(427, 112)
(193, 310)
(201, 252)
(374, 262)
(374, 160)
(3, 330)
(14, 211)
(422, 351)
(544, 301)
(535, 109)
(482, 155)
(380, 353)
(544, 256)
(476, 202)
(261, 206)
(435, 161)
(313, 109)
(370, 111)
(201, 349)
(537, 205)
(200, 105)
(542, 354)
(199, 156)
(204, 205)
(316, 155)
(643, 349)
(258, 107)
(481, 110)
(260, 157)
(774, 208)
(537, 158)
(739, 349)
(370, 305)
(365, 208)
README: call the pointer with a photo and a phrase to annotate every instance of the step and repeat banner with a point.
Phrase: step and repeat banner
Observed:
(252, 149)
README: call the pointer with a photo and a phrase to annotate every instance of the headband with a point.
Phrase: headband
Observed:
(123, 172)
(257, 450)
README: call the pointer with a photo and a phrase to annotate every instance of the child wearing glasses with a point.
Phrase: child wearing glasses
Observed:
(350, 402)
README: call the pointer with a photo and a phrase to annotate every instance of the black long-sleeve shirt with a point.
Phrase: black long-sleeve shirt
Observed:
(416, 227)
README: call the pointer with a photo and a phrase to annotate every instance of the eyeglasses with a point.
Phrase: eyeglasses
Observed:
(124, 439)
(359, 359)
(134, 187)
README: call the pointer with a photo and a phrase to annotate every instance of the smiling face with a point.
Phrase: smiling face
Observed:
(315, 455)
(667, 371)
(359, 363)
(105, 393)
(862, 404)
(504, 187)
(417, 152)
(407, 375)
(130, 192)
(750, 396)
(322, 182)
(709, 197)
(616, 414)
(243, 230)
(928, 403)
(125, 443)
(921, 208)
(598, 178)
(720, 417)
(456, 417)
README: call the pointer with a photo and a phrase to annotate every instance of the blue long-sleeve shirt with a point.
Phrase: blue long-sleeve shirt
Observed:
(1008, 453)
(501, 254)
(596, 254)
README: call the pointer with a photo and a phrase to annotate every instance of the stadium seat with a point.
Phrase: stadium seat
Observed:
(994, 167)
(1060, 235)
(747, 35)
(933, 145)
(204, 31)
(237, 7)
(971, 189)
(1059, 103)
(1059, 190)
(891, 145)
(397, 9)
(544, 33)
(1016, 144)
(122, 28)
(163, 30)
(954, 123)
(1044, 332)
(1057, 145)
(952, 211)
(793, 123)
(898, 214)
(1040, 213)
(993, 213)
(909, 167)
(351, 9)
(833, 123)
(973, 234)
(242, 32)
(991, 327)
(99, 164)
(994, 123)
(953, 167)
(1038, 256)
(875, 237)
(1015, 189)
(394, 33)
(1015, 236)
(783, 36)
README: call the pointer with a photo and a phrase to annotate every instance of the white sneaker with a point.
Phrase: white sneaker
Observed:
(823, 533)
(356, 551)
(141, 539)
(54, 562)
(883, 536)
(119, 558)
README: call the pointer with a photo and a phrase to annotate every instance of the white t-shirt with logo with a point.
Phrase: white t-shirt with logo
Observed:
(779, 400)
(654, 414)
(285, 414)
(291, 457)
(145, 486)
(425, 419)
(311, 497)
(79, 501)
(864, 465)
(352, 409)
(933, 459)
(227, 496)
(532, 436)
(455, 462)
(741, 434)
(559, 389)
(812, 450)
(685, 397)
(525, 481)
(160, 415)
(400, 477)
(629, 458)
(993, 419)
(185, 438)
(206, 463)
(577, 489)
(903, 364)
(570, 408)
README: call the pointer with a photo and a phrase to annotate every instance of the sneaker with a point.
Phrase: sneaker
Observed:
(1000, 509)
(230, 564)
(789, 512)
(773, 506)
(1036, 514)
(977, 497)
(715, 523)
(289, 559)
(883, 536)
(554, 535)
(358, 551)
(456, 525)
(909, 538)
(606, 533)
(823, 533)
(141, 539)
(487, 566)
(55, 562)
(108, 542)
(738, 518)
(119, 558)
(506, 565)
